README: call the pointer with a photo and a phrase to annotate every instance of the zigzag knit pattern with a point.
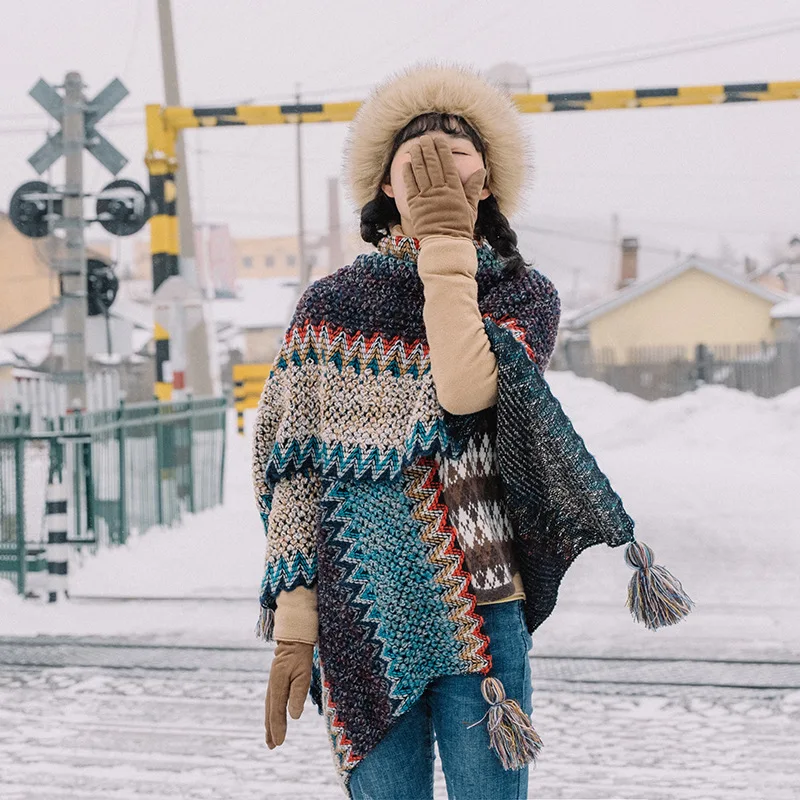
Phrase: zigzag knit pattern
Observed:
(347, 456)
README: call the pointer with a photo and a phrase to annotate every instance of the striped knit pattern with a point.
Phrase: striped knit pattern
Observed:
(351, 452)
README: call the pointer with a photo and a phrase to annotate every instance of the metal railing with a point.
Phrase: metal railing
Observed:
(125, 469)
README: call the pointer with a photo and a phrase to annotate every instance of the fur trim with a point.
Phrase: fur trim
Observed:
(432, 86)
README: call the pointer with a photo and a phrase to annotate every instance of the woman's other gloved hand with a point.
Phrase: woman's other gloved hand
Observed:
(438, 203)
(289, 682)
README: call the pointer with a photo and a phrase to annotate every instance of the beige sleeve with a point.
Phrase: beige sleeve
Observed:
(296, 618)
(463, 365)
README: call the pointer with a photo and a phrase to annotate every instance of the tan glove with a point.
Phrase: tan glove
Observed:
(296, 615)
(438, 203)
(289, 681)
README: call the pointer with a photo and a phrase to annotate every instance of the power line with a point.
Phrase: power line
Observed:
(617, 51)
(451, 13)
(577, 237)
(733, 40)
(690, 226)
(43, 128)
(41, 116)
(96, 167)
(137, 23)
(604, 176)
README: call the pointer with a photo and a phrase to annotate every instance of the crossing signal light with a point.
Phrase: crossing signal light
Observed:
(123, 207)
(32, 207)
(101, 286)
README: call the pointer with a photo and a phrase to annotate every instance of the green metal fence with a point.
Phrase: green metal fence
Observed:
(126, 470)
(14, 452)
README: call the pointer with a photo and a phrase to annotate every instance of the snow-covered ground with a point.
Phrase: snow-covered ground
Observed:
(711, 479)
(198, 734)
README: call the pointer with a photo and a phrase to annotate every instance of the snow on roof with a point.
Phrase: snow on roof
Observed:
(136, 289)
(568, 314)
(25, 348)
(641, 287)
(262, 303)
(9, 358)
(139, 314)
(787, 309)
(140, 338)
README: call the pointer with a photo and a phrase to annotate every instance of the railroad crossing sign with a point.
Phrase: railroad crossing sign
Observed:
(52, 102)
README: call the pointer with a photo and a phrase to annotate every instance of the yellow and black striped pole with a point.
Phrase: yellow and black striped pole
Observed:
(164, 241)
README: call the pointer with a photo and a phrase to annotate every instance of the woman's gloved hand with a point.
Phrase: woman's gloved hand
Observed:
(438, 203)
(289, 681)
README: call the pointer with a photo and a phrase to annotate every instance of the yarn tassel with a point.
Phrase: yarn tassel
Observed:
(511, 733)
(265, 624)
(655, 595)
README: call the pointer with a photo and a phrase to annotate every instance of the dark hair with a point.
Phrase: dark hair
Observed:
(378, 216)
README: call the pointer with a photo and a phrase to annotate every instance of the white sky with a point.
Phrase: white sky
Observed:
(680, 178)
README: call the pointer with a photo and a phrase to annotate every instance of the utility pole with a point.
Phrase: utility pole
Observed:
(193, 362)
(73, 266)
(172, 96)
(301, 231)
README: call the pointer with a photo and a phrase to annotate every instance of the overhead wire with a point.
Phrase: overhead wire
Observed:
(681, 40)
(577, 237)
(96, 167)
(580, 66)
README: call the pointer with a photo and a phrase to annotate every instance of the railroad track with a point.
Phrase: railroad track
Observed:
(63, 652)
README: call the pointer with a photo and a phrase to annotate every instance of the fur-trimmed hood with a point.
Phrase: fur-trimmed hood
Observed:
(454, 89)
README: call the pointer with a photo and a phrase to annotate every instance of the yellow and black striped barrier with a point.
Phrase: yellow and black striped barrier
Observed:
(248, 384)
(657, 98)
(177, 118)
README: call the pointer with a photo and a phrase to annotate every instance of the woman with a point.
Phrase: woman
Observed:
(399, 586)
(435, 198)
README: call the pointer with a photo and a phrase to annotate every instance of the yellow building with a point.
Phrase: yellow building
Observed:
(693, 303)
(266, 256)
(27, 284)
(277, 256)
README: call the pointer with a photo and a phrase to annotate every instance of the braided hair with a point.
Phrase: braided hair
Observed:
(378, 216)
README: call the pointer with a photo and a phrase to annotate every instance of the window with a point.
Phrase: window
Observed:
(269, 261)
(290, 260)
(247, 261)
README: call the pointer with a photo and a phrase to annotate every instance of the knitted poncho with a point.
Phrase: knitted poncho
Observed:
(347, 433)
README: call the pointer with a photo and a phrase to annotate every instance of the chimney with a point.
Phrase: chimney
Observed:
(629, 262)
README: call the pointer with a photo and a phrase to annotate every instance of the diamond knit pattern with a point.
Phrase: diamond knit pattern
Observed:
(473, 493)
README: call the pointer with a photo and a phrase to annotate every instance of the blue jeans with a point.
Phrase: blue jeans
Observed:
(400, 767)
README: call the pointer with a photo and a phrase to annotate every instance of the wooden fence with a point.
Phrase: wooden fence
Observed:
(766, 369)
